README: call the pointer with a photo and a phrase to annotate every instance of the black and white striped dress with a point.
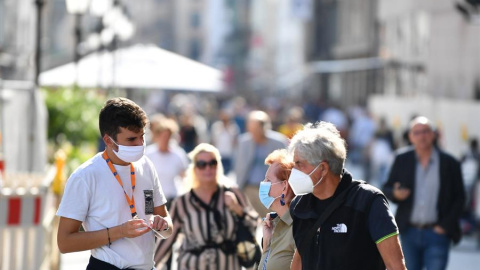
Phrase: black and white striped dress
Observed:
(204, 228)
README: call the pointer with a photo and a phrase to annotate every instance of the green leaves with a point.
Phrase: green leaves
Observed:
(73, 122)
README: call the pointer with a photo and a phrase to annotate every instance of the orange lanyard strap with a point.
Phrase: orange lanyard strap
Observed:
(131, 202)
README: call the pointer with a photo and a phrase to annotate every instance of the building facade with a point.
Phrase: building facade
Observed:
(343, 30)
(277, 56)
(430, 49)
(17, 39)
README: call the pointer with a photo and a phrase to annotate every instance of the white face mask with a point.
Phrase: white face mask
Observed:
(129, 153)
(301, 182)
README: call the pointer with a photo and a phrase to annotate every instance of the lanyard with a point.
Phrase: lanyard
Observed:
(131, 202)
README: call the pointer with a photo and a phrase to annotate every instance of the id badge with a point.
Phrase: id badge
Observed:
(148, 194)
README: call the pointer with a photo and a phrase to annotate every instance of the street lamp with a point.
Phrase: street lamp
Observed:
(38, 40)
(77, 8)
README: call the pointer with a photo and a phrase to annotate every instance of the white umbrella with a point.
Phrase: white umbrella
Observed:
(139, 66)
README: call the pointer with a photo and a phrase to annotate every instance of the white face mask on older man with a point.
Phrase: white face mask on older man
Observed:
(301, 182)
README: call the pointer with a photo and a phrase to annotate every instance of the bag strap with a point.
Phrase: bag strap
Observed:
(332, 207)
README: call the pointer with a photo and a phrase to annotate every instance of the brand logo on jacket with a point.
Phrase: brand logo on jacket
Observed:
(340, 228)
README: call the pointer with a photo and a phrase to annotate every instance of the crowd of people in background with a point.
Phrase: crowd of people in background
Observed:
(371, 140)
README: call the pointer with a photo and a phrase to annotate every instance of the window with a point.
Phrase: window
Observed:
(195, 20)
(195, 49)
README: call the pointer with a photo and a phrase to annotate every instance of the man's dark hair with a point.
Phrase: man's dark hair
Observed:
(121, 112)
(473, 143)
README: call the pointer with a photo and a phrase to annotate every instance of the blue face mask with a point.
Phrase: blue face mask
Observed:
(266, 199)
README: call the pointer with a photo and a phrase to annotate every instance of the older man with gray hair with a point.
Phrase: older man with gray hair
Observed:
(427, 185)
(338, 222)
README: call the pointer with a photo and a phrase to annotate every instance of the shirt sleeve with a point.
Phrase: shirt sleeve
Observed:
(75, 200)
(381, 222)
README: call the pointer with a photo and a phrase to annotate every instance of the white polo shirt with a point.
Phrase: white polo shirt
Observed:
(93, 196)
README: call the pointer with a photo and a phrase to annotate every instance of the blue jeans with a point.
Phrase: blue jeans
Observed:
(425, 248)
(227, 165)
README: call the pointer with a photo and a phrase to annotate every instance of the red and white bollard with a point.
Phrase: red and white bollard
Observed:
(25, 234)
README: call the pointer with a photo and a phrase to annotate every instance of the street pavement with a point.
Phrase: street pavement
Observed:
(74, 261)
(465, 256)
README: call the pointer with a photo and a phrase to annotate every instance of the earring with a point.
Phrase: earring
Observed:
(282, 200)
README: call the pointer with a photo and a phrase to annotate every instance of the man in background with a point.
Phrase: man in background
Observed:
(427, 185)
(253, 147)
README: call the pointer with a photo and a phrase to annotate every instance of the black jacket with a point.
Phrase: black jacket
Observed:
(451, 198)
(353, 249)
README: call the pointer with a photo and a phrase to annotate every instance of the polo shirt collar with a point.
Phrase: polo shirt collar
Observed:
(287, 218)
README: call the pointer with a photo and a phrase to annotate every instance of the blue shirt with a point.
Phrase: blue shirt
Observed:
(259, 169)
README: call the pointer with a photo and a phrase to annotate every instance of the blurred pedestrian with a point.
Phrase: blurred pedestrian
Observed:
(293, 122)
(335, 114)
(427, 185)
(405, 134)
(169, 159)
(253, 147)
(470, 163)
(338, 222)
(225, 137)
(240, 111)
(101, 193)
(207, 216)
(188, 133)
(276, 194)
(381, 152)
(360, 137)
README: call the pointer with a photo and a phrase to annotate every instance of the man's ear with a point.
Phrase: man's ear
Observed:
(107, 140)
(324, 166)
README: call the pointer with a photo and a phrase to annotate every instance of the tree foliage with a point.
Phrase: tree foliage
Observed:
(73, 122)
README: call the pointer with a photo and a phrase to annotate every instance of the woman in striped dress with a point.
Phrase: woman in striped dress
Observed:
(206, 217)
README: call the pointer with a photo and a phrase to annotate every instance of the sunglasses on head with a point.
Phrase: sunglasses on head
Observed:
(201, 164)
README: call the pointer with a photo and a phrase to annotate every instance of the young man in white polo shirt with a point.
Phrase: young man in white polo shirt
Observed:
(116, 195)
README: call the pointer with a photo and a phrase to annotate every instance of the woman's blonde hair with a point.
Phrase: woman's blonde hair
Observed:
(191, 177)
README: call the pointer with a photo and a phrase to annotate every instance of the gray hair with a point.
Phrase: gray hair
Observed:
(318, 142)
(262, 118)
(422, 120)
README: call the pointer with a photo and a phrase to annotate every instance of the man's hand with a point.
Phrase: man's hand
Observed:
(438, 229)
(134, 228)
(159, 223)
(400, 193)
